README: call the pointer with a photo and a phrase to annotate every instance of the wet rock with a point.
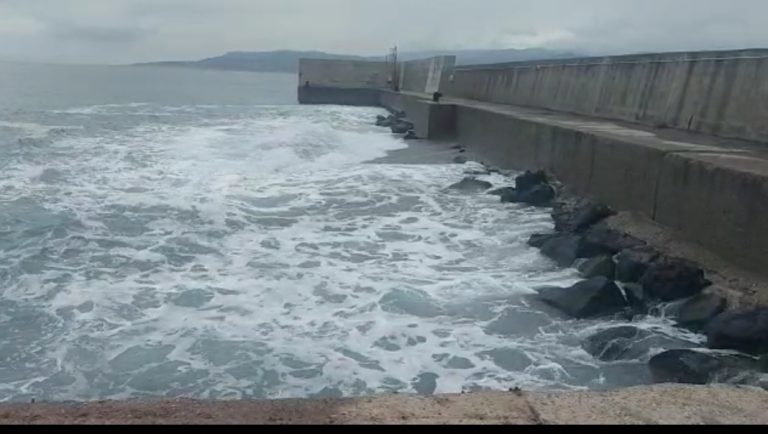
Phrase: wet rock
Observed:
(591, 298)
(457, 147)
(673, 279)
(745, 331)
(460, 160)
(471, 185)
(410, 135)
(605, 240)
(696, 367)
(636, 297)
(620, 343)
(401, 127)
(601, 266)
(538, 240)
(631, 264)
(563, 249)
(503, 191)
(538, 195)
(382, 121)
(529, 179)
(577, 216)
(566, 248)
(698, 311)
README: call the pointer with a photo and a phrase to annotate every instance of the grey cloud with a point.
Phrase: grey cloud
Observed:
(137, 30)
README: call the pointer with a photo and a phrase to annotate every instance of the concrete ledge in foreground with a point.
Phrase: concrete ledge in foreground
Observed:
(661, 404)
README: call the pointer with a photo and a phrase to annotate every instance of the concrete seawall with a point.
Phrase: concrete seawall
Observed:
(721, 93)
(710, 190)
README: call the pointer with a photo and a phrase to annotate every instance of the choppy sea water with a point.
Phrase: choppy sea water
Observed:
(246, 247)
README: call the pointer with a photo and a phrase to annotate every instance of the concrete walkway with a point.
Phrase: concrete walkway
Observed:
(661, 404)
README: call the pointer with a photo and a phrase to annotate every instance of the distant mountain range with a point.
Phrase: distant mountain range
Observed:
(288, 61)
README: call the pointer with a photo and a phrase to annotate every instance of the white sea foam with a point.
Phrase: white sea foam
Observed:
(257, 256)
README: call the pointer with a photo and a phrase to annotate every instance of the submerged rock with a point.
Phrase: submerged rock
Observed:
(503, 191)
(601, 266)
(698, 311)
(636, 297)
(460, 160)
(631, 264)
(696, 367)
(563, 249)
(620, 343)
(471, 185)
(743, 331)
(673, 279)
(410, 135)
(590, 298)
(538, 240)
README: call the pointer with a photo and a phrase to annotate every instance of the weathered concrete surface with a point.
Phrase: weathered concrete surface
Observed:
(721, 93)
(663, 404)
(426, 75)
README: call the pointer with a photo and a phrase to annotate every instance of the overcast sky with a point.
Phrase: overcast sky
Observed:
(121, 31)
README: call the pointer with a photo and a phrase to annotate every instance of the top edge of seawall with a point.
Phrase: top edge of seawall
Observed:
(672, 56)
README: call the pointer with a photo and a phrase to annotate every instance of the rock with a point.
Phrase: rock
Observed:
(538, 240)
(411, 135)
(673, 279)
(597, 267)
(695, 367)
(471, 185)
(636, 297)
(457, 147)
(529, 179)
(745, 331)
(460, 160)
(503, 191)
(591, 298)
(381, 118)
(539, 195)
(631, 264)
(616, 344)
(563, 249)
(605, 240)
(577, 216)
(401, 127)
(698, 311)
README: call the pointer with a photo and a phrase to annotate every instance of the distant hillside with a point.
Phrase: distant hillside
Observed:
(288, 61)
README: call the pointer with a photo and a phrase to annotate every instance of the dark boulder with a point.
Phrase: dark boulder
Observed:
(563, 249)
(619, 343)
(697, 312)
(538, 195)
(411, 135)
(673, 279)
(598, 266)
(460, 160)
(503, 191)
(529, 179)
(577, 216)
(590, 298)
(636, 297)
(631, 264)
(605, 240)
(696, 367)
(538, 240)
(743, 331)
(401, 127)
(471, 185)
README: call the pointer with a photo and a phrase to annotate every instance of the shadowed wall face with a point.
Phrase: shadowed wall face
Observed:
(345, 73)
(721, 93)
